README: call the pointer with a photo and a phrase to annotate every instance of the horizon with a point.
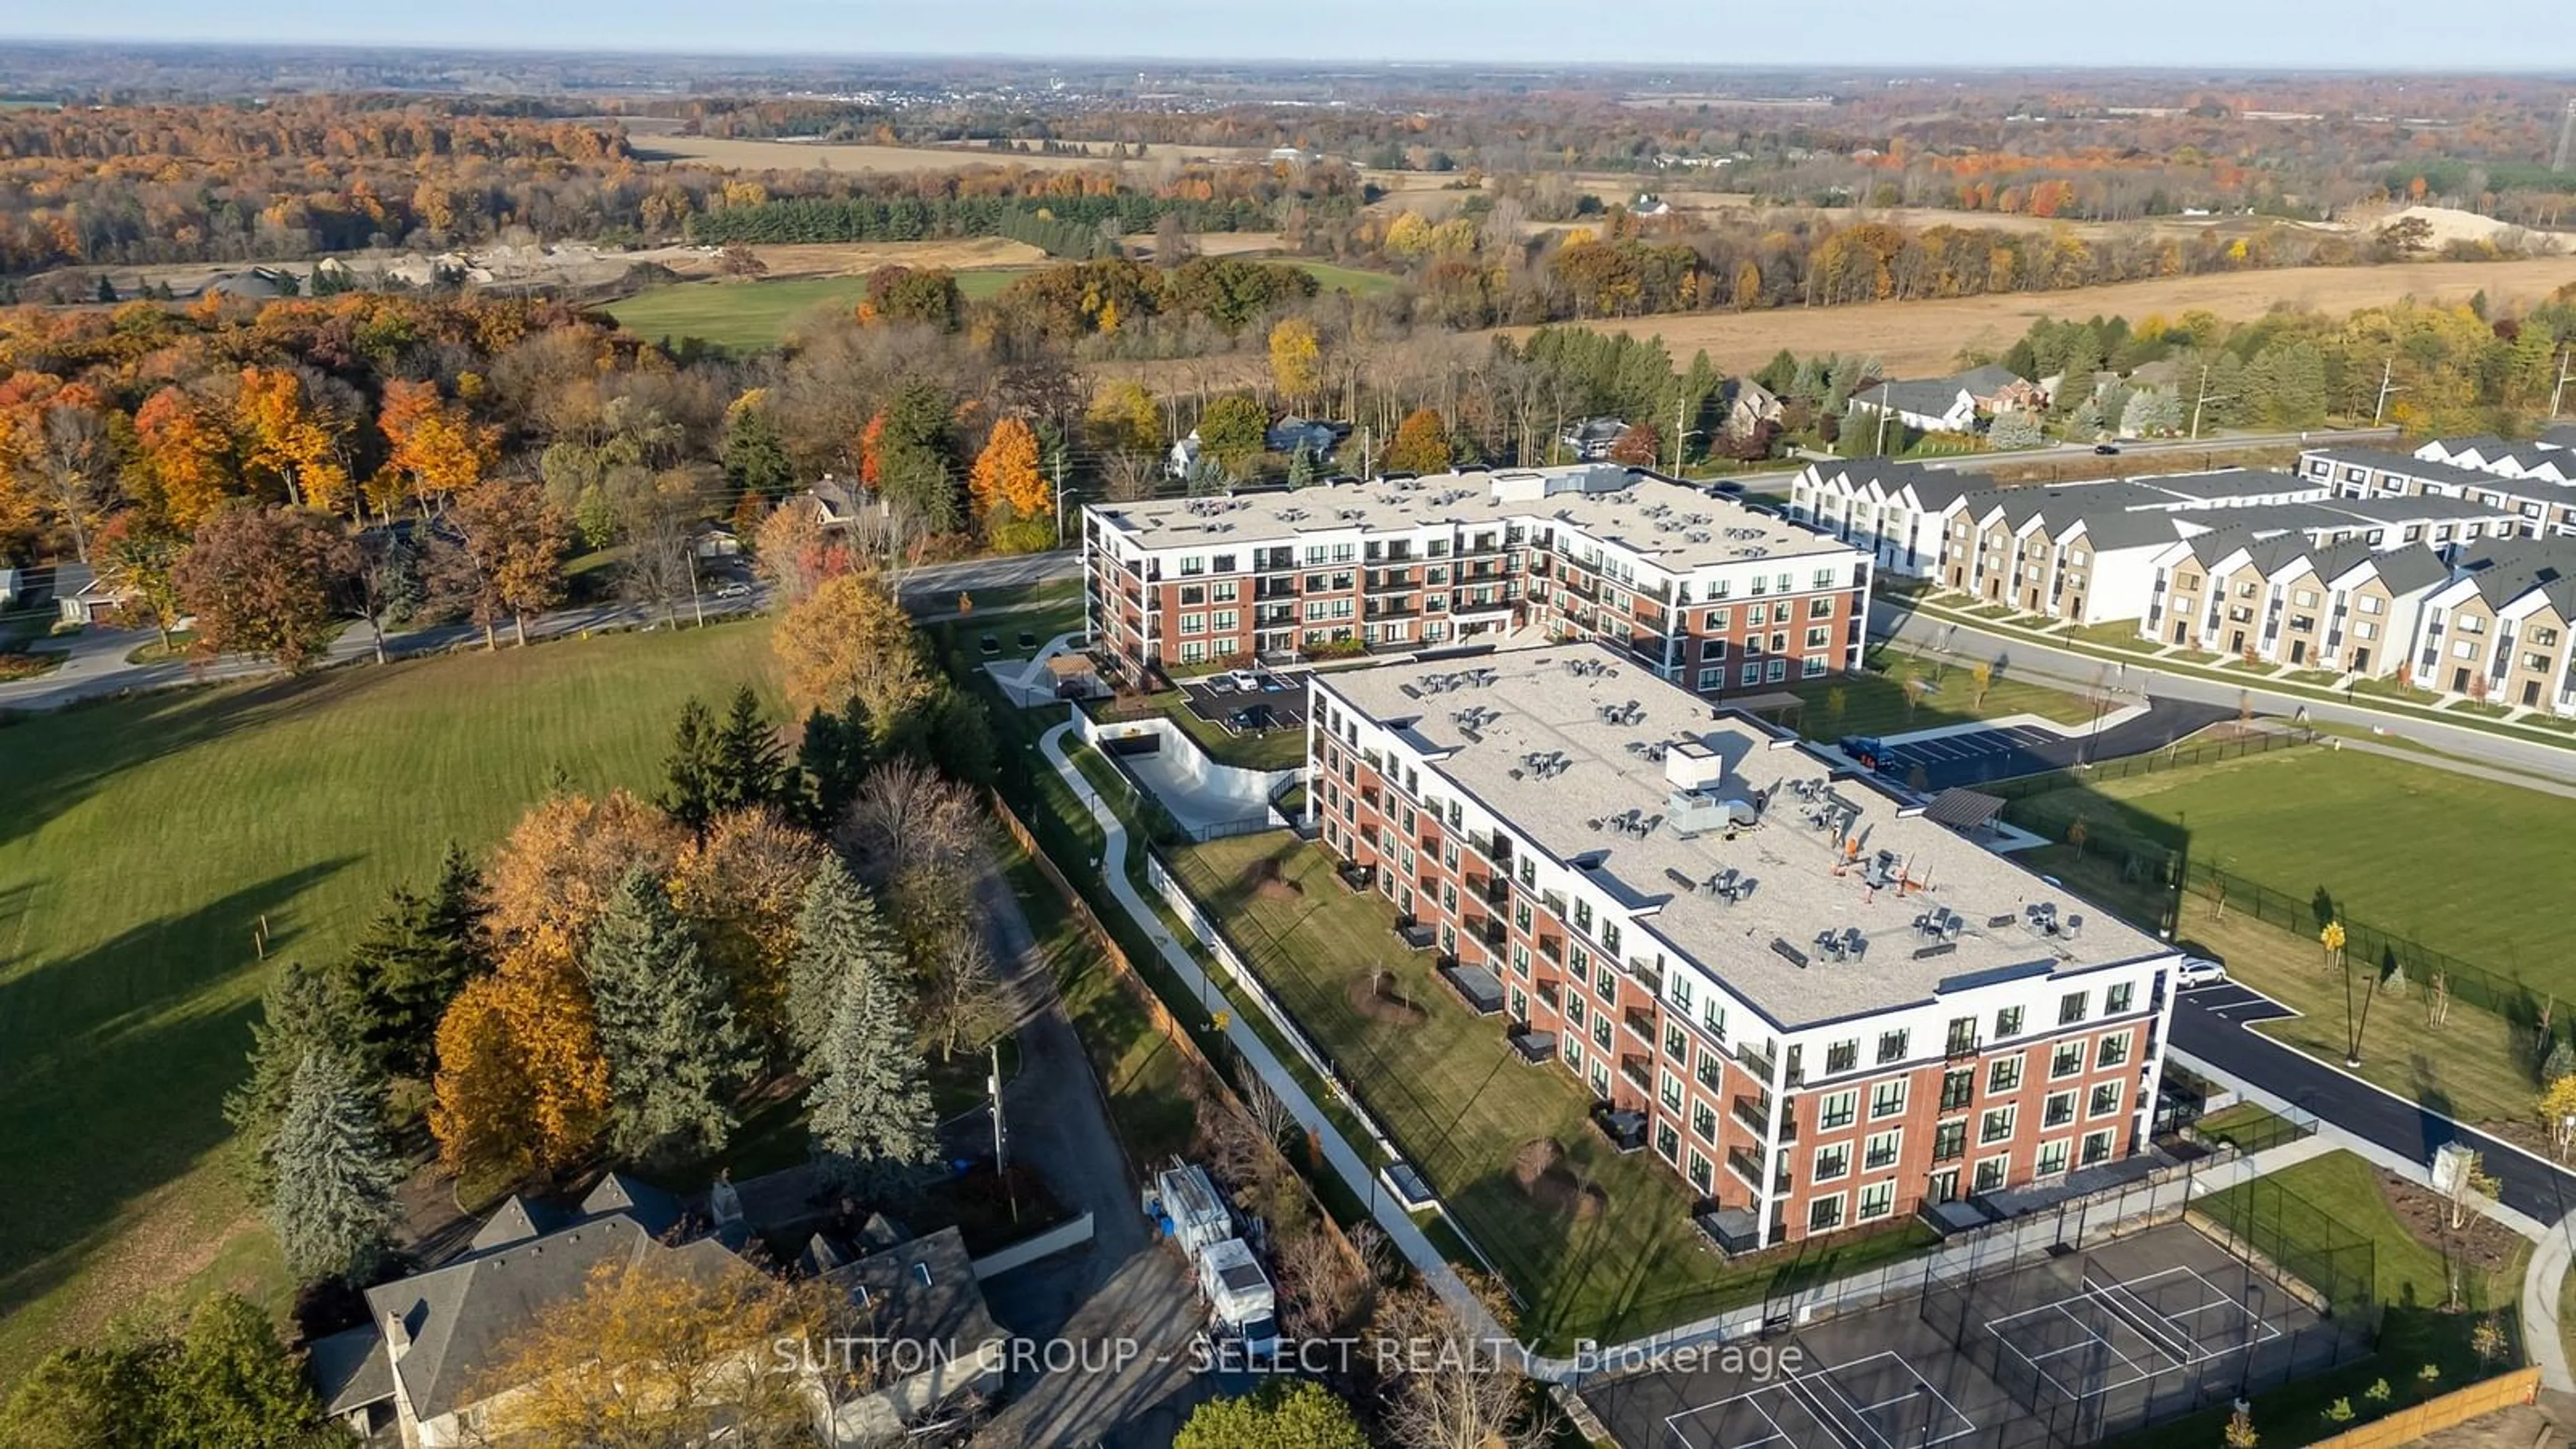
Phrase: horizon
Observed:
(2372, 37)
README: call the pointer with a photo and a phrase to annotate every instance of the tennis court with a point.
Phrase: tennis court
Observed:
(1878, 1402)
(2118, 1332)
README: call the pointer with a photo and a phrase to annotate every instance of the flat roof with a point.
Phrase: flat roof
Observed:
(1677, 526)
(1610, 724)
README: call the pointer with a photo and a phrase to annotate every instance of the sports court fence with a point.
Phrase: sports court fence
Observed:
(2095, 1342)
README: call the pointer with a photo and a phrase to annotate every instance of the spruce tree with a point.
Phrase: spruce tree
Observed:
(412, 961)
(755, 459)
(839, 938)
(746, 763)
(833, 757)
(673, 1048)
(869, 1109)
(303, 1010)
(333, 1204)
(689, 797)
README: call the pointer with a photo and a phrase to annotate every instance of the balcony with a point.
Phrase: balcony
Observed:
(1552, 948)
(1551, 993)
(1640, 1024)
(1491, 931)
(1495, 890)
(1759, 1063)
(1377, 611)
(1639, 1075)
(1494, 848)
(1749, 1168)
(1647, 977)
(1755, 1116)
(1960, 1046)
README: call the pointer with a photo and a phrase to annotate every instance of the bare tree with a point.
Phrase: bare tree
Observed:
(962, 1002)
(78, 469)
(907, 817)
(1319, 1284)
(1128, 476)
(1464, 1395)
(655, 515)
(1268, 1110)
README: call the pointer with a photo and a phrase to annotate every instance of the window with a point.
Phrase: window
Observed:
(2052, 1158)
(1676, 1042)
(1962, 1037)
(1710, 1070)
(1833, 1162)
(1996, 1127)
(1825, 1214)
(2115, 1001)
(1777, 670)
(1816, 638)
(1668, 1143)
(1949, 1141)
(1837, 1110)
(2003, 1075)
(1672, 1093)
(1822, 606)
(1704, 1121)
(2113, 1052)
(2106, 1100)
(1878, 1154)
(1699, 1172)
(1574, 1012)
(2070, 1007)
(1891, 1047)
(2068, 1060)
(1752, 673)
(1712, 678)
(1717, 619)
(2008, 1022)
(1877, 1200)
(1606, 981)
(1958, 1088)
(1887, 1099)
(2097, 1148)
(2059, 1111)
(1601, 1032)
(1813, 668)
(1990, 1174)
(1842, 1056)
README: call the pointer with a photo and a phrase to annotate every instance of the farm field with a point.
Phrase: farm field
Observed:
(2463, 865)
(660, 142)
(757, 314)
(140, 844)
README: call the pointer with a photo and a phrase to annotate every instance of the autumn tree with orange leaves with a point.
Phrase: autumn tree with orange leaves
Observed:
(433, 449)
(268, 581)
(507, 561)
(185, 457)
(850, 641)
(289, 436)
(1012, 498)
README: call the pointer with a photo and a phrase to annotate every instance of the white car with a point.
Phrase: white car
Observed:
(735, 590)
(1245, 679)
(2197, 971)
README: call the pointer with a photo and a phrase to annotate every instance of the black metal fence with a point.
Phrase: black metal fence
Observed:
(2113, 1338)
(2367, 945)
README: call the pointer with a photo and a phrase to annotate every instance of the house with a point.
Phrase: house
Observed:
(840, 499)
(1750, 408)
(1953, 404)
(2503, 628)
(418, 1372)
(2488, 453)
(1649, 204)
(1895, 510)
(2345, 607)
(82, 597)
(2544, 507)
(1590, 440)
(712, 541)
(1184, 456)
(1318, 439)
(2561, 436)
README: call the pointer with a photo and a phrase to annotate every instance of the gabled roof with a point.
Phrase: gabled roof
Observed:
(516, 1221)
(2508, 571)
(657, 1210)
(1930, 399)
(1934, 489)
(1983, 381)
(349, 1369)
(2561, 436)
(921, 1291)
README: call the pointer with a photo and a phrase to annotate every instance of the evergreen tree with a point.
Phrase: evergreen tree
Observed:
(755, 460)
(834, 758)
(665, 1028)
(839, 938)
(691, 770)
(1779, 373)
(869, 1108)
(333, 1206)
(745, 764)
(2018, 428)
(1301, 467)
(304, 1010)
(412, 961)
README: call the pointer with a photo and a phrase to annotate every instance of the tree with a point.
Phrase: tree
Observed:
(1234, 431)
(1421, 444)
(832, 756)
(740, 889)
(755, 457)
(412, 960)
(267, 581)
(1285, 1414)
(2014, 429)
(184, 457)
(746, 762)
(1005, 483)
(1296, 360)
(656, 519)
(76, 466)
(288, 435)
(666, 1030)
(2558, 1113)
(138, 556)
(869, 1108)
(1458, 1393)
(303, 1011)
(1638, 445)
(433, 450)
(962, 1003)
(223, 1379)
(507, 561)
(333, 1205)
(794, 552)
(1122, 419)
(839, 938)
(559, 866)
(2470, 1185)
(689, 771)
(849, 641)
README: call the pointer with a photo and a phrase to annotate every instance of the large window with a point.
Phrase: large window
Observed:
(1877, 1200)
(1878, 1152)
(1887, 1099)
(2003, 1075)
(1891, 1047)
(1836, 1109)
(1997, 1126)
(1833, 1162)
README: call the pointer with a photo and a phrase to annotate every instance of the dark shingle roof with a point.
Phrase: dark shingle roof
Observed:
(516, 1221)
(1962, 809)
(349, 1369)
(2506, 571)
(1929, 399)
(921, 1292)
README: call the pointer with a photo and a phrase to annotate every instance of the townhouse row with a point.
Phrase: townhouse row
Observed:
(1710, 595)
(1815, 1005)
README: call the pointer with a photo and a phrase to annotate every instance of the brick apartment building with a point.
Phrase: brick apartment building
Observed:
(1710, 595)
(1827, 1008)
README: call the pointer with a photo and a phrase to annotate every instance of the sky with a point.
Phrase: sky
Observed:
(2518, 35)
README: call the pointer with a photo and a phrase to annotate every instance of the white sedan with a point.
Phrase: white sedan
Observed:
(2197, 971)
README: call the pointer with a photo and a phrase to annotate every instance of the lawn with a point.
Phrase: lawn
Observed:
(1460, 1105)
(751, 316)
(2415, 1263)
(1875, 702)
(1335, 278)
(140, 844)
(2460, 864)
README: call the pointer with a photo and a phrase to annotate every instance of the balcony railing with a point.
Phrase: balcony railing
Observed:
(1959, 1046)
(1641, 1024)
(1553, 948)
(1497, 890)
(1754, 1117)
(1759, 1063)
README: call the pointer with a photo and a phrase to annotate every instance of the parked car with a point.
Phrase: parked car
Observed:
(2198, 971)
(1245, 680)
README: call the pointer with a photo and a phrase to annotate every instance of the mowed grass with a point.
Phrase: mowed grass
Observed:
(142, 842)
(750, 316)
(1460, 1105)
(1876, 702)
(2463, 865)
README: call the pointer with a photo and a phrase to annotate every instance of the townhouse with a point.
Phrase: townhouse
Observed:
(1898, 511)
(2286, 599)
(1711, 595)
(2547, 458)
(2500, 628)
(1823, 1009)
(2540, 506)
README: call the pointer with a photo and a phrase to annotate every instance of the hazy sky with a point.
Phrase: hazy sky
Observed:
(2457, 34)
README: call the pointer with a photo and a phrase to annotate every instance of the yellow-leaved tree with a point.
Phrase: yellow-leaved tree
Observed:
(849, 641)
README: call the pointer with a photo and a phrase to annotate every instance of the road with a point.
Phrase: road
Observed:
(94, 660)
(2027, 659)
(2180, 448)
(2213, 1024)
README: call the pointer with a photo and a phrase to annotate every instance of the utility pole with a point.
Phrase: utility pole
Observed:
(2204, 399)
(1681, 433)
(697, 599)
(1001, 1139)
(1059, 495)
(2566, 374)
(2387, 385)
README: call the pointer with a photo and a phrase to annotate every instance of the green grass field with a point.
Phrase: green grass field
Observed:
(2464, 865)
(749, 316)
(140, 844)
(1349, 279)
(1460, 1105)
(1875, 703)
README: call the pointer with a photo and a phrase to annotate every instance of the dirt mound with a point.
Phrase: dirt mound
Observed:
(1539, 1170)
(1375, 996)
(1270, 883)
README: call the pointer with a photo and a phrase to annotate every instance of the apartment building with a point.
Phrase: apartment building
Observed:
(1711, 595)
(2500, 628)
(1897, 511)
(2539, 506)
(1822, 1008)
(2283, 599)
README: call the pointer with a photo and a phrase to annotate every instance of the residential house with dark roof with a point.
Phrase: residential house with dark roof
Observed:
(2487, 453)
(1953, 404)
(2286, 599)
(1893, 509)
(2500, 629)
(2545, 507)
(1591, 439)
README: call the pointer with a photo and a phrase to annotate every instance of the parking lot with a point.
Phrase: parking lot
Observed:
(1249, 701)
(1954, 757)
